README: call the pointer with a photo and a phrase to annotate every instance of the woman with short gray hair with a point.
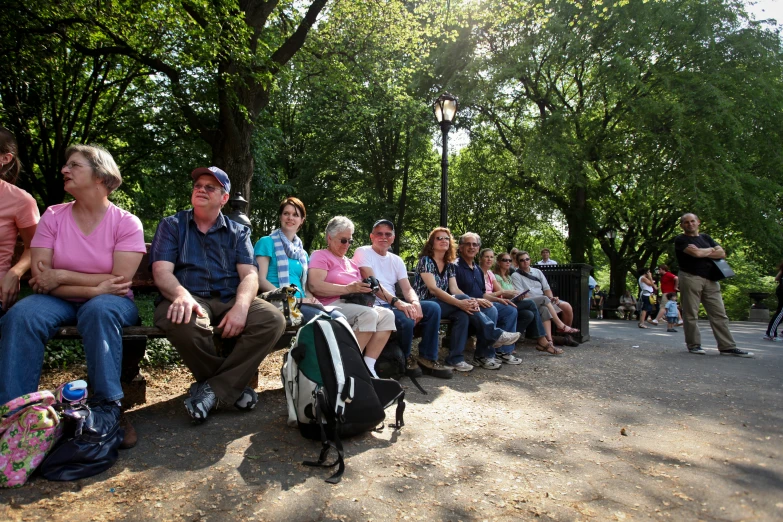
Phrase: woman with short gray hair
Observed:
(333, 275)
(84, 255)
(103, 166)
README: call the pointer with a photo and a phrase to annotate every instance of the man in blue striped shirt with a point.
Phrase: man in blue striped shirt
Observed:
(204, 267)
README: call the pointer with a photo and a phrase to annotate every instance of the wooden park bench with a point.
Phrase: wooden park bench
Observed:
(134, 338)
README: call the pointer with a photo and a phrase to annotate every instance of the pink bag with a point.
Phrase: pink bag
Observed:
(26, 436)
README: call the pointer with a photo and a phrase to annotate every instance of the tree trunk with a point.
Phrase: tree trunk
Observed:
(232, 151)
(577, 215)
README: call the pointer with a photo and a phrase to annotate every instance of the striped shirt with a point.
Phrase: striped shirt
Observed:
(205, 264)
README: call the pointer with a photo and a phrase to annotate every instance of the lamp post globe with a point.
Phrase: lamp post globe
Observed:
(445, 109)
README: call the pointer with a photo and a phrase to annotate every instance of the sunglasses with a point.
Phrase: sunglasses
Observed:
(210, 189)
(344, 241)
(524, 259)
(441, 238)
(383, 234)
(504, 260)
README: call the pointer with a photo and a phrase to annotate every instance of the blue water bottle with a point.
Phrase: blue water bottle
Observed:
(75, 391)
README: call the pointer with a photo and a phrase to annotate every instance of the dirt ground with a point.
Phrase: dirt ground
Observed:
(610, 431)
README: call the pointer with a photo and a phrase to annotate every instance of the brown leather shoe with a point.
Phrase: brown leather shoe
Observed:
(131, 438)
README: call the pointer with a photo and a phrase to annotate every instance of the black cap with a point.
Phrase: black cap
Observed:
(384, 222)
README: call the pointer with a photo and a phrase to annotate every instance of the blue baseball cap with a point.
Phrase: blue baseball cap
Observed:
(215, 172)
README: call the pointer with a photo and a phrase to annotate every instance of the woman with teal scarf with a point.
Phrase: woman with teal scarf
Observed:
(282, 260)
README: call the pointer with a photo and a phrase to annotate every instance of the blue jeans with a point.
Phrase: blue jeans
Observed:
(460, 321)
(428, 347)
(30, 323)
(507, 316)
(529, 320)
(308, 312)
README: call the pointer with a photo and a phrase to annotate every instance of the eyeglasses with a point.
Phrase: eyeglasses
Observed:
(504, 260)
(441, 238)
(72, 165)
(383, 234)
(470, 244)
(210, 189)
(344, 241)
(524, 260)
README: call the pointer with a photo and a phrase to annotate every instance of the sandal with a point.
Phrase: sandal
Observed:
(550, 348)
(568, 330)
(643, 326)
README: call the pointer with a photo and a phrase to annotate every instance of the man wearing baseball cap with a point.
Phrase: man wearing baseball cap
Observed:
(389, 269)
(204, 267)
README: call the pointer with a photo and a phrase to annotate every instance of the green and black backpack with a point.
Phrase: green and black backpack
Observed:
(330, 392)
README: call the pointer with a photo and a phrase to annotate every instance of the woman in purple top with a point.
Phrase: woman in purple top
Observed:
(84, 256)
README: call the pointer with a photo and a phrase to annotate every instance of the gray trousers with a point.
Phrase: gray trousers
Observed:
(694, 290)
(227, 376)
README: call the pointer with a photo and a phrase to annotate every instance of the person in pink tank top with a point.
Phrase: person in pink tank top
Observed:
(18, 217)
(84, 255)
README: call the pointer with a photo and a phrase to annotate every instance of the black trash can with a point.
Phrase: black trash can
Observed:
(569, 283)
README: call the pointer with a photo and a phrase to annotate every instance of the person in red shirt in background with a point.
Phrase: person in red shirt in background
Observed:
(670, 283)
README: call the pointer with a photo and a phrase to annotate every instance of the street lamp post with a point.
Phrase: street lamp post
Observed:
(445, 108)
(611, 234)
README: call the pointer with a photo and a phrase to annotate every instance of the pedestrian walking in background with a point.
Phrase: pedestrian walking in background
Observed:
(772, 328)
(669, 284)
(646, 290)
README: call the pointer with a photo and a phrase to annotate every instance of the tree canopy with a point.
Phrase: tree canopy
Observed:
(578, 118)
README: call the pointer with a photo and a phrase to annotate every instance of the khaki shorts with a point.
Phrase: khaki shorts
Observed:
(366, 318)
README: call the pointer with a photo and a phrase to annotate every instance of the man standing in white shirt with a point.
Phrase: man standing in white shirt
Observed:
(545, 259)
(376, 260)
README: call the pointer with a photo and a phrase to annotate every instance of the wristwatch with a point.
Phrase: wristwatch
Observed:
(394, 300)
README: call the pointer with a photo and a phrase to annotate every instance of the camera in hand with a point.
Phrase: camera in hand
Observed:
(375, 286)
(362, 298)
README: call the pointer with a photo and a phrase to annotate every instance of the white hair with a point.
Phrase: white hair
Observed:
(338, 224)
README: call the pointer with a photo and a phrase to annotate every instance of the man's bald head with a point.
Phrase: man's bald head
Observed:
(688, 216)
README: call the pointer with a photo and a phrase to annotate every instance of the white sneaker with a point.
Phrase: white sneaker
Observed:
(506, 339)
(462, 366)
(508, 358)
(488, 363)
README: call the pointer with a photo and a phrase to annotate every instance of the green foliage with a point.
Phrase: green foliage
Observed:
(751, 277)
(623, 116)
(348, 132)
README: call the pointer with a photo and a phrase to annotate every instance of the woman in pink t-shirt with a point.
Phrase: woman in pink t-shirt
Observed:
(18, 217)
(332, 275)
(84, 256)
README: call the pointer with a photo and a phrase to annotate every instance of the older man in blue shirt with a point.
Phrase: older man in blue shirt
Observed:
(470, 280)
(204, 267)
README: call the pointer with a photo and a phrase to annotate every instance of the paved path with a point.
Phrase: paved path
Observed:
(626, 427)
(747, 335)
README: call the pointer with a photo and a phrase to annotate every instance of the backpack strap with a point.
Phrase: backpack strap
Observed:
(344, 393)
(45, 398)
(529, 276)
(414, 381)
(400, 422)
(327, 444)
